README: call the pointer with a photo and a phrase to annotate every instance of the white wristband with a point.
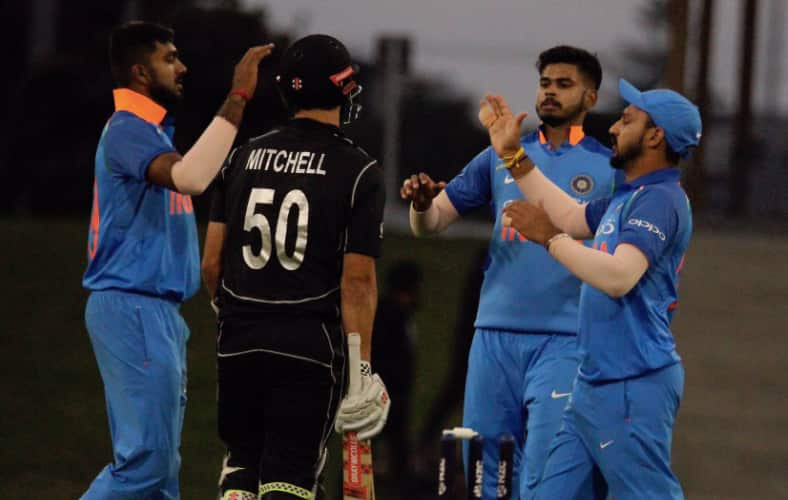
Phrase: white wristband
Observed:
(555, 238)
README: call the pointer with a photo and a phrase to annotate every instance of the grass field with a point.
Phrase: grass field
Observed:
(731, 440)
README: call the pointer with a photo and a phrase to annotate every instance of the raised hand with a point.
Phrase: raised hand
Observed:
(421, 190)
(245, 75)
(503, 126)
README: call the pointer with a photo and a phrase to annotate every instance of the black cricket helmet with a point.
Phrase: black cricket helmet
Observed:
(316, 73)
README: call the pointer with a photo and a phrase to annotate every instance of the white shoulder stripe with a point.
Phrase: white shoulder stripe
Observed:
(358, 177)
(272, 132)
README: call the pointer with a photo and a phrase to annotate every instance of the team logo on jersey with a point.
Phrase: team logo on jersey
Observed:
(606, 228)
(648, 226)
(582, 184)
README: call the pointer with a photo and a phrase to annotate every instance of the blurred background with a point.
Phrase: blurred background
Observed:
(425, 64)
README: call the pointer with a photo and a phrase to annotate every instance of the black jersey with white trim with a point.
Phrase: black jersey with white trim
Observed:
(295, 200)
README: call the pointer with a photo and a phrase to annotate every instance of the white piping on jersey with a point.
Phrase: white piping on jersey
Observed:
(326, 433)
(269, 351)
(232, 155)
(319, 470)
(264, 301)
(272, 132)
(330, 348)
(353, 195)
(358, 177)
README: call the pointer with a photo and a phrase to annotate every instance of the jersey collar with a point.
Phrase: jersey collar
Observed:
(139, 105)
(576, 134)
(667, 174)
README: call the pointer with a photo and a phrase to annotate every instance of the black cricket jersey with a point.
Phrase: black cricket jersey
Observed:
(294, 201)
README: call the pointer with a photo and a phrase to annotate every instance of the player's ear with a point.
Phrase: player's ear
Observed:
(589, 98)
(655, 136)
(140, 74)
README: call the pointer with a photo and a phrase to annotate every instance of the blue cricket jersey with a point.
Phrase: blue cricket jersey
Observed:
(524, 289)
(142, 237)
(629, 336)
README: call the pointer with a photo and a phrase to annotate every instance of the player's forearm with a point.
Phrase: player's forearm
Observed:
(566, 213)
(194, 173)
(359, 298)
(436, 218)
(211, 266)
(232, 109)
(614, 275)
(210, 277)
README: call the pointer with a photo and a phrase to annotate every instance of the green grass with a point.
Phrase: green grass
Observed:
(730, 440)
(55, 437)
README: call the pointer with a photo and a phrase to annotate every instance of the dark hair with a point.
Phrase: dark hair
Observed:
(132, 43)
(586, 62)
(671, 156)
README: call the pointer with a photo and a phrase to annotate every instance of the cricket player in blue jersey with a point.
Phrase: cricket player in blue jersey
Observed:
(616, 430)
(143, 257)
(523, 357)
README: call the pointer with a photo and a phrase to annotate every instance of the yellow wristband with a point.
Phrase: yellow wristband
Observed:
(514, 160)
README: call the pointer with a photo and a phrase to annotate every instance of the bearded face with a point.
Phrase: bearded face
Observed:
(166, 73)
(627, 135)
(561, 98)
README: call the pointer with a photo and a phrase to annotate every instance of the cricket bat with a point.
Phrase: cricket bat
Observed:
(358, 481)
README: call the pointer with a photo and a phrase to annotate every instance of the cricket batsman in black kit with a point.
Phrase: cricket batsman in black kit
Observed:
(289, 260)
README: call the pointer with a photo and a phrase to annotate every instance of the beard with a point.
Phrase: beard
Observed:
(168, 98)
(621, 159)
(569, 114)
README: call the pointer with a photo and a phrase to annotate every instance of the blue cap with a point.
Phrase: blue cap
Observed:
(670, 111)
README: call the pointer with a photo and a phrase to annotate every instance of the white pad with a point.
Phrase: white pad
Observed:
(461, 432)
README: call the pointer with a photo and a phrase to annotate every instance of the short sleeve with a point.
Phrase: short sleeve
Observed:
(217, 211)
(365, 231)
(131, 144)
(650, 223)
(471, 187)
(595, 210)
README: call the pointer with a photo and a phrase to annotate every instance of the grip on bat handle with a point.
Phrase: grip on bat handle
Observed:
(354, 362)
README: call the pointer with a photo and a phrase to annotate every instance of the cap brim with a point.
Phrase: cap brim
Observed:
(631, 94)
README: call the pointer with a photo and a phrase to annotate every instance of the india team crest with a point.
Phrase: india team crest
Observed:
(582, 184)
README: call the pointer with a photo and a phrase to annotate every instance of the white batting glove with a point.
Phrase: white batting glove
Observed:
(366, 412)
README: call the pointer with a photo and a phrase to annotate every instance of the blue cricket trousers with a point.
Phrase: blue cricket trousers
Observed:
(615, 440)
(518, 384)
(140, 347)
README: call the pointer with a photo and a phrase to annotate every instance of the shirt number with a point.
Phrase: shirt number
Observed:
(256, 221)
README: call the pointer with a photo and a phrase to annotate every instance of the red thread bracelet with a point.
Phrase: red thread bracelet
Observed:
(242, 94)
